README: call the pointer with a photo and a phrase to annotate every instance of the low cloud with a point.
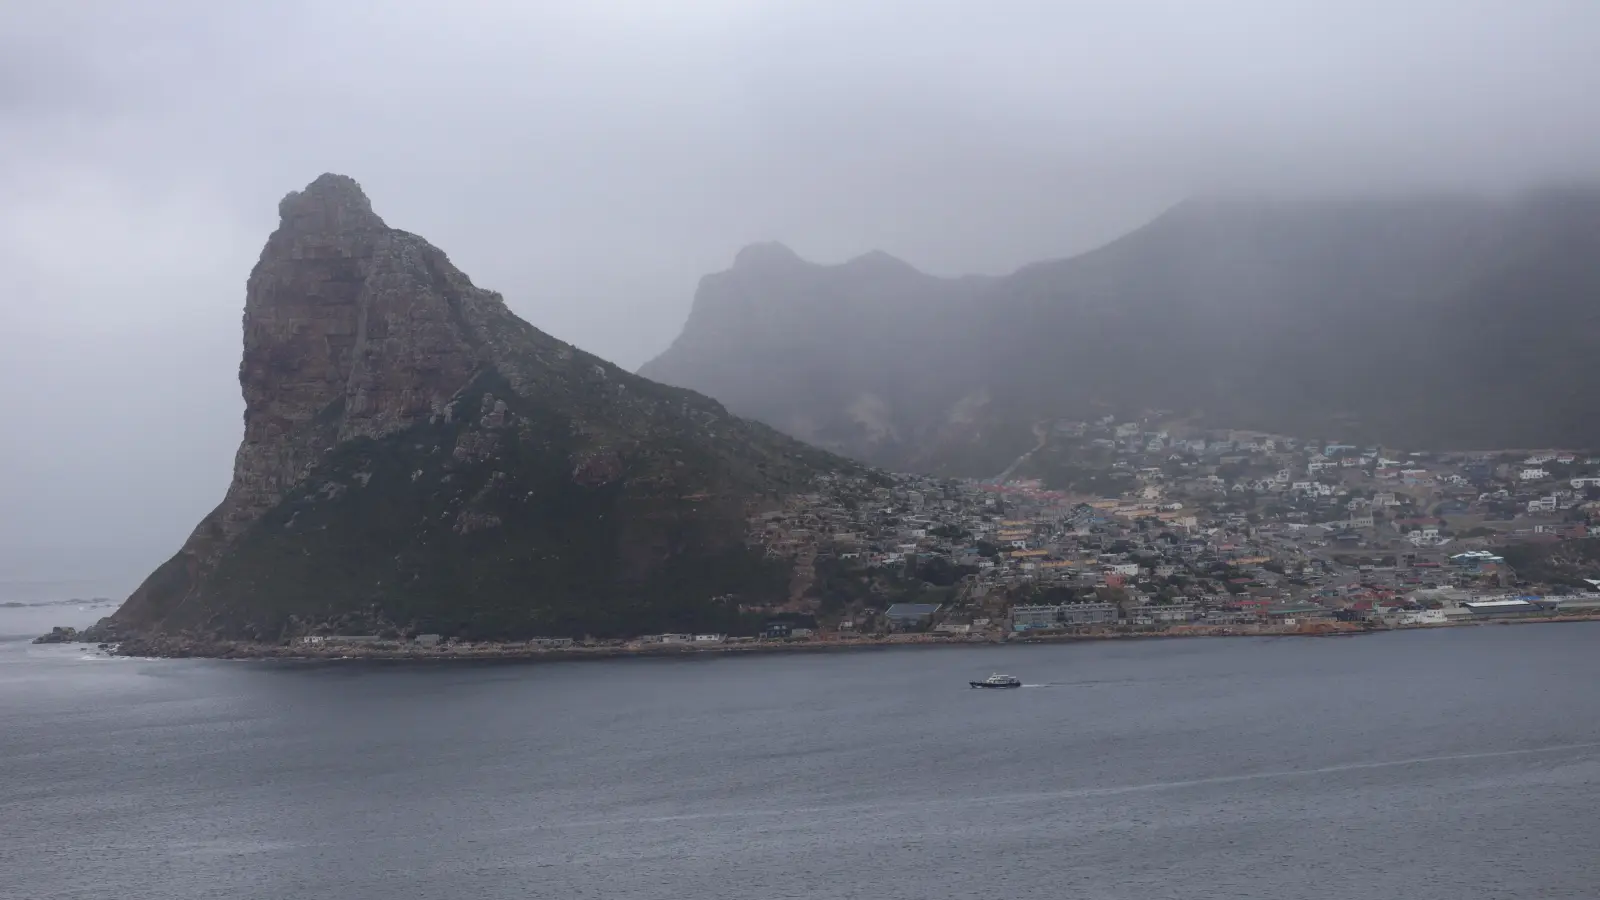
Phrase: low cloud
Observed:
(592, 160)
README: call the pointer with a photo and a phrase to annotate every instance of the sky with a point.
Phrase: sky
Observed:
(592, 159)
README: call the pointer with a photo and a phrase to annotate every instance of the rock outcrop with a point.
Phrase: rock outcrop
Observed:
(415, 457)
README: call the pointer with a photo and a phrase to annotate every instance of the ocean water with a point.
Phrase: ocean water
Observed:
(1438, 765)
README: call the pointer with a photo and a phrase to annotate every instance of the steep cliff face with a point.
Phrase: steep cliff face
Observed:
(351, 329)
(416, 457)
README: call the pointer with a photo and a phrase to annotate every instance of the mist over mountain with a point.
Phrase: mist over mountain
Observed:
(842, 356)
(1434, 320)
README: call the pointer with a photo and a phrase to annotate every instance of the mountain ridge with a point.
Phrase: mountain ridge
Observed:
(1333, 314)
(766, 313)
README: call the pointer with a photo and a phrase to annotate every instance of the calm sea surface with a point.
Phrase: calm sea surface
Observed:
(1443, 765)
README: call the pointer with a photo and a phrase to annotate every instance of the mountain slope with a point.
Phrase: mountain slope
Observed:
(865, 357)
(417, 458)
(1430, 320)
(1378, 319)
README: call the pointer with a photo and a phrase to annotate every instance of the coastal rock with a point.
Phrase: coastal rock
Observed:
(105, 631)
(414, 452)
(59, 635)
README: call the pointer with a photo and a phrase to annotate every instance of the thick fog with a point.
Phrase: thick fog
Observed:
(592, 159)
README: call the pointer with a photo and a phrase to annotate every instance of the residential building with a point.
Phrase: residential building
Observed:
(1088, 613)
(904, 616)
(1026, 617)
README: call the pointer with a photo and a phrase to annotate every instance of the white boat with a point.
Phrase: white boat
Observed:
(998, 681)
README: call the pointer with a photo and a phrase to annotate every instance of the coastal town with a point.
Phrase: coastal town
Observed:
(1119, 529)
(1222, 530)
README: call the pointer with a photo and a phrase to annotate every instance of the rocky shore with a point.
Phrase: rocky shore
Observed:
(183, 646)
(186, 646)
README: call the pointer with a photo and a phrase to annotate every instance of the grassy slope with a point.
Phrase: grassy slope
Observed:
(567, 558)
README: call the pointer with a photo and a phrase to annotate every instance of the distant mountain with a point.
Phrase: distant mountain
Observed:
(854, 357)
(417, 458)
(1436, 321)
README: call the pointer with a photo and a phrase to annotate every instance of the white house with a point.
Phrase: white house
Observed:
(1426, 537)
(1533, 474)
(1424, 617)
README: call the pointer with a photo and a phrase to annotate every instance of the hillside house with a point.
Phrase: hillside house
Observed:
(907, 616)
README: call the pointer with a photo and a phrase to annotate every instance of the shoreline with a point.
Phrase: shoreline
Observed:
(241, 650)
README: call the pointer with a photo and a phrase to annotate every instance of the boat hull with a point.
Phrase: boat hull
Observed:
(992, 687)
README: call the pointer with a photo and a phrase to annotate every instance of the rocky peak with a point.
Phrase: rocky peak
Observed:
(351, 329)
(876, 263)
(367, 488)
(330, 204)
(765, 255)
